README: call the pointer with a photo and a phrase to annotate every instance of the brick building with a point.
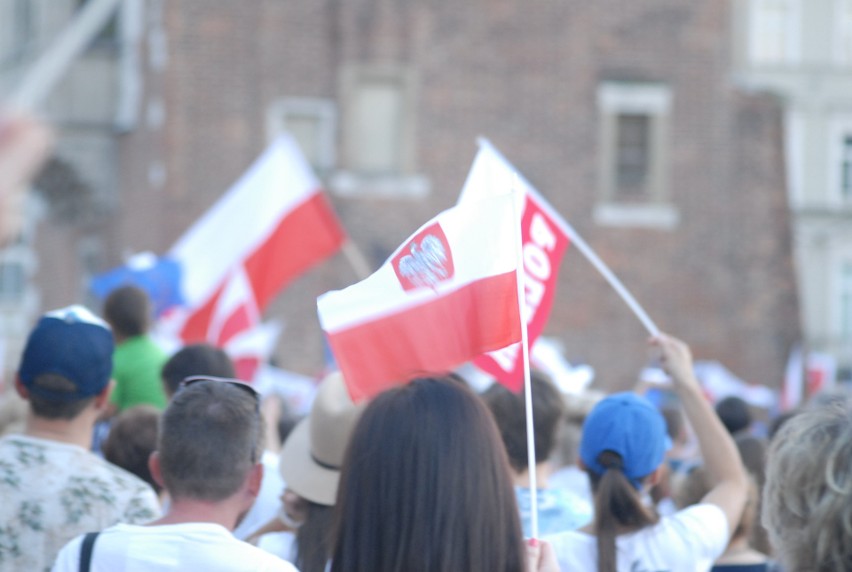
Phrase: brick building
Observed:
(623, 114)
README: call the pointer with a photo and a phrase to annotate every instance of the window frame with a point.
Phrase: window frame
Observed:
(651, 208)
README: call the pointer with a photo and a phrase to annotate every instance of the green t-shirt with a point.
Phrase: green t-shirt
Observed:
(137, 363)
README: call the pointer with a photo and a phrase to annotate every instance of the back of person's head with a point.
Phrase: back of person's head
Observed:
(131, 440)
(778, 421)
(66, 362)
(509, 410)
(675, 423)
(624, 442)
(753, 454)
(426, 486)
(734, 413)
(807, 498)
(210, 439)
(195, 359)
(128, 310)
(690, 488)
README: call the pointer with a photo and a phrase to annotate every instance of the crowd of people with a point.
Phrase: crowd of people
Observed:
(129, 459)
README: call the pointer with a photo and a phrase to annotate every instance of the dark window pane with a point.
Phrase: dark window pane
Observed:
(632, 153)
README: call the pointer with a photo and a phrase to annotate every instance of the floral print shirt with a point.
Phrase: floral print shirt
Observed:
(51, 492)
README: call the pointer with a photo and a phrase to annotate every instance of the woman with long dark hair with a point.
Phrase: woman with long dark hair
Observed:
(622, 449)
(426, 487)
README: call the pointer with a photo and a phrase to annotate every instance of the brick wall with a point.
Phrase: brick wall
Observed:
(525, 75)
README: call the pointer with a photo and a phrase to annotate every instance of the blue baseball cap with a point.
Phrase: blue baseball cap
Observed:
(627, 424)
(71, 342)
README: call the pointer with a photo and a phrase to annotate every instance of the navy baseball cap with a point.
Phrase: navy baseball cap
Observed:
(627, 424)
(71, 342)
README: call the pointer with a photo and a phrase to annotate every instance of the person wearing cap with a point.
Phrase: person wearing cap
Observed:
(52, 487)
(208, 460)
(310, 464)
(623, 448)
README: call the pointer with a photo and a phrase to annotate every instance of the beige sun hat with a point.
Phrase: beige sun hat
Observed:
(312, 456)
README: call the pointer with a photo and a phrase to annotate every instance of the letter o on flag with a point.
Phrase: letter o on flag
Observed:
(536, 262)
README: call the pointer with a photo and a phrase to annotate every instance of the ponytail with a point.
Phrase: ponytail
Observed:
(618, 508)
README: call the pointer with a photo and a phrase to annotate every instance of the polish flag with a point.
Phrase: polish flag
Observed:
(272, 225)
(544, 240)
(448, 294)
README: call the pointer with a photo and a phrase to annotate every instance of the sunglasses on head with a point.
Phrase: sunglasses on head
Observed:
(193, 379)
(196, 379)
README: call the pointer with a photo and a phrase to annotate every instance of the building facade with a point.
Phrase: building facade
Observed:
(625, 115)
(802, 51)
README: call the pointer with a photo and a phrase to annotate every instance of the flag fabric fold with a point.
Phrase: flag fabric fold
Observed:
(544, 241)
(272, 225)
(448, 294)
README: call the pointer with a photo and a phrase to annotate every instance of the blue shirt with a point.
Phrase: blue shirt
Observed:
(558, 510)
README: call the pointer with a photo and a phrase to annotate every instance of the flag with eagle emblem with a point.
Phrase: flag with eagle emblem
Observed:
(447, 295)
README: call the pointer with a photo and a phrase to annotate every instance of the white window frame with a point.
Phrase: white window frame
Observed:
(655, 210)
(793, 48)
(407, 182)
(840, 330)
(843, 32)
(325, 112)
(841, 127)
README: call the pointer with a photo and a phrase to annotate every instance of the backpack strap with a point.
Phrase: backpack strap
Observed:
(86, 550)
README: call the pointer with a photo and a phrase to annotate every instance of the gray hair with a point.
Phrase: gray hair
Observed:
(210, 438)
(807, 498)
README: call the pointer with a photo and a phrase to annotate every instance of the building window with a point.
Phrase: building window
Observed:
(846, 301)
(839, 160)
(378, 132)
(632, 153)
(312, 122)
(633, 177)
(16, 31)
(846, 168)
(774, 31)
(843, 32)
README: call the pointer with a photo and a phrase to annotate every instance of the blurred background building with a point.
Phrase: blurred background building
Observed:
(802, 52)
(667, 133)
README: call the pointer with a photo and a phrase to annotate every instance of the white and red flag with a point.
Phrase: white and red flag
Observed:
(544, 240)
(272, 225)
(448, 294)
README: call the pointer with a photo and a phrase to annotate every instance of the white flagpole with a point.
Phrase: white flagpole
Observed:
(525, 356)
(584, 248)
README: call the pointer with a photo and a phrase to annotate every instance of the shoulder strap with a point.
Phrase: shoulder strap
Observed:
(86, 550)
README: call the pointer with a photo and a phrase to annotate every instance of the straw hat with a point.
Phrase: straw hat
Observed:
(312, 456)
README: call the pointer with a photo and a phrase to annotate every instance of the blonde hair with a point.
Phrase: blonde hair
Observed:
(807, 498)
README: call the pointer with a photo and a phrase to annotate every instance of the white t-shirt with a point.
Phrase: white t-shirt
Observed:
(688, 541)
(191, 546)
(268, 500)
(50, 492)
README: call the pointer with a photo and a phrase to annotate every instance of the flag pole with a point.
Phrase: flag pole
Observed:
(525, 356)
(356, 259)
(581, 245)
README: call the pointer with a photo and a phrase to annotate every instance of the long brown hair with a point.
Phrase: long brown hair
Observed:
(618, 508)
(425, 487)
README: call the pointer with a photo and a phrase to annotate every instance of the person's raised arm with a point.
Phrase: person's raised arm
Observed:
(720, 454)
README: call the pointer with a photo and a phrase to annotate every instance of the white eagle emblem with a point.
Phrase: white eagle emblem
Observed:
(426, 265)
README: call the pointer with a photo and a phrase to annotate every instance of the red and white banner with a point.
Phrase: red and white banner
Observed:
(272, 225)
(448, 294)
(544, 243)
